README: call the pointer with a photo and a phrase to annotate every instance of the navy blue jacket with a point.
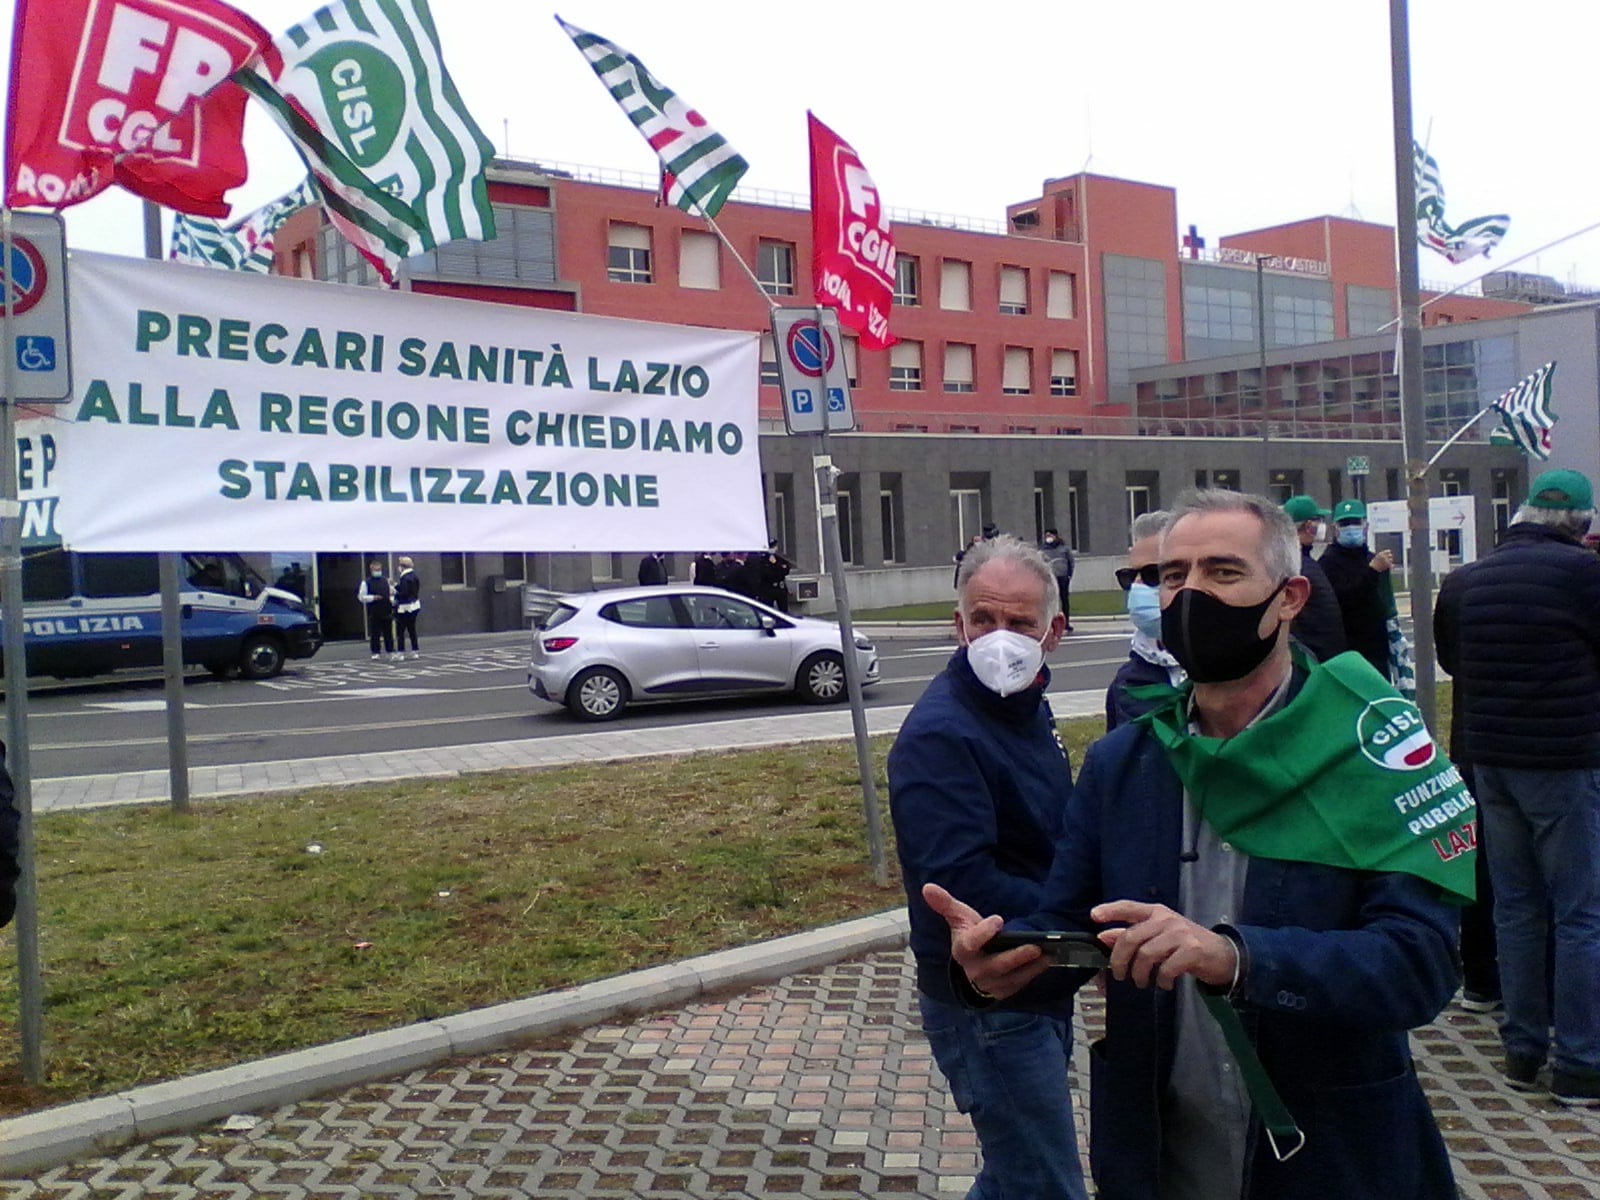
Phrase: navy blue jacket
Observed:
(1519, 630)
(1338, 965)
(1136, 672)
(1320, 625)
(977, 786)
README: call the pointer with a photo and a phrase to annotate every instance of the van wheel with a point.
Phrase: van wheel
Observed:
(261, 658)
(821, 678)
(599, 694)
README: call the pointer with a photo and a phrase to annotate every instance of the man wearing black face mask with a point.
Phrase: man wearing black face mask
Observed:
(1265, 856)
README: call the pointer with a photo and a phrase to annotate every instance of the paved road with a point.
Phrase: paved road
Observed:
(470, 689)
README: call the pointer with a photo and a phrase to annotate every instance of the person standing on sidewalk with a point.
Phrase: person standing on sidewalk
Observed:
(1273, 923)
(1148, 661)
(407, 606)
(377, 598)
(1519, 630)
(1059, 555)
(1360, 581)
(978, 780)
(1320, 626)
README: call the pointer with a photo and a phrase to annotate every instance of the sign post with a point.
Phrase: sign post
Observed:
(816, 399)
(37, 368)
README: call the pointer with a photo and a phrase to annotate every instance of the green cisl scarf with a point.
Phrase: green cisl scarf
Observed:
(1345, 775)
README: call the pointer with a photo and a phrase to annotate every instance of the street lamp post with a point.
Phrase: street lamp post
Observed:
(1261, 383)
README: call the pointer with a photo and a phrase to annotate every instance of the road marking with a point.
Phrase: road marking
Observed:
(135, 706)
(379, 693)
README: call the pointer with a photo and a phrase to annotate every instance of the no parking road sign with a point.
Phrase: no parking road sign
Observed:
(811, 370)
(36, 276)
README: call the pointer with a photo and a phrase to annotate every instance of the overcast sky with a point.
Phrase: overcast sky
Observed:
(1257, 111)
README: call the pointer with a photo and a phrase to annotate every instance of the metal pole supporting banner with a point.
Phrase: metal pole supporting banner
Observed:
(1261, 365)
(833, 555)
(170, 566)
(1419, 560)
(30, 980)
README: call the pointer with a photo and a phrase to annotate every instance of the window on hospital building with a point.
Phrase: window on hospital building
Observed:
(628, 254)
(955, 285)
(769, 361)
(1018, 378)
(907, 281)
(1063, 372)
(850, 346)
(699, 261)
(1014, 291)
(905, 367)
(1061, 301)
(775, 268)
(958, 367)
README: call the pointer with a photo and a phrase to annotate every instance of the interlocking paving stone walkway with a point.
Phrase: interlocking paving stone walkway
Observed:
(819, 1086)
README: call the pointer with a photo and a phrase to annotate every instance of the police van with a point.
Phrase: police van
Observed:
(86, 614)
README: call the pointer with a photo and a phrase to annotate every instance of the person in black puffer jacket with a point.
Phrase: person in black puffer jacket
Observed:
(1520, 632)
(1320, 626)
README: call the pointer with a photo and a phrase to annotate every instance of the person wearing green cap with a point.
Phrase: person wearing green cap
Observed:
(1361, 584)
(1319, 627)
(1519, 631)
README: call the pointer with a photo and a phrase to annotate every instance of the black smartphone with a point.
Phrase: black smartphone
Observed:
(1065, 948)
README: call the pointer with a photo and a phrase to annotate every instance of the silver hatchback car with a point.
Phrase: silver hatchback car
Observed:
(599, 652)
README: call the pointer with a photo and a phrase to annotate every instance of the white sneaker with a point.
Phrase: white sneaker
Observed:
(397, 657)
(377, 658)
(415, 654)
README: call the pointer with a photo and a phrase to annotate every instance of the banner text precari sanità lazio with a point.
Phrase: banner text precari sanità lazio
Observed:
(217, 410)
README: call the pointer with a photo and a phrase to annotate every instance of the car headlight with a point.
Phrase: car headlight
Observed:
(862, 643)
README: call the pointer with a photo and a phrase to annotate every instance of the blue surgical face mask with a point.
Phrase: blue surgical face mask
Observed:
(1144, 609)
(1353, 536)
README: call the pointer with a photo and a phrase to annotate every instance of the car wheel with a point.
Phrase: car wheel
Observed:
(598, 694)
(821, 679)
(261, 657)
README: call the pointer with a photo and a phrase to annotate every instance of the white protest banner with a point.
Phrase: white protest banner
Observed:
(228, 411)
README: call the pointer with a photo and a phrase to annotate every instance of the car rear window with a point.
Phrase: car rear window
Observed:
(562, 614)
(647, 612)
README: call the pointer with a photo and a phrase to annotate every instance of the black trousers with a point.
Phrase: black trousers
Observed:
(405, 623)
(379, 627)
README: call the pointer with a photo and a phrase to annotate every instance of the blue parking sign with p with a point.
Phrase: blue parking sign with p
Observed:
(800, 400)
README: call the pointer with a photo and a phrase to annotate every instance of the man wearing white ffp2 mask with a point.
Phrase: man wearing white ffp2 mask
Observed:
(977, 782)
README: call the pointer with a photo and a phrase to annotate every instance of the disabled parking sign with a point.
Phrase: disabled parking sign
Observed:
(35, 276)
(811, 369)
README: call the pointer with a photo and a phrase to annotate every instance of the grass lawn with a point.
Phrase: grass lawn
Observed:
(174, 944)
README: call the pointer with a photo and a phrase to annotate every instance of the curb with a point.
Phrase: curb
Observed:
(96, 1127)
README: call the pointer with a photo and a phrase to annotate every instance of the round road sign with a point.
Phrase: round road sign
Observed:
(27, 277)
(810, 348)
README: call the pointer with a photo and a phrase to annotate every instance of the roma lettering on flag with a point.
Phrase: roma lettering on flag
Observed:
(1525, 412)
(127, 92)
(363, 93)
(245, 245)
(852, 256)
(1345, 774)
(701, 169)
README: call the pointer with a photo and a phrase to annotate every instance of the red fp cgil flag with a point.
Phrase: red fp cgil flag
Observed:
(131, 92)
(852, 256)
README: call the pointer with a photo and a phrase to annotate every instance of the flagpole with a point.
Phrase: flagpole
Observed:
(1456, 437)
(1419, 565)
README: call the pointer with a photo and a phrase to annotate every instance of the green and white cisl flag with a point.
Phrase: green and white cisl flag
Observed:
(362, 91)
(701, 168)
(246, 244)
(1457, 243)
(1345, 774)
(1525, 412)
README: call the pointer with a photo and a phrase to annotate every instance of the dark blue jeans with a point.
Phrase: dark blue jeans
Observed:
(1544, 858)
(1008, 1072)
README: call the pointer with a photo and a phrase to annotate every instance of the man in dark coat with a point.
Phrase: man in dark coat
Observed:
(1520, 631)
(1319, 627)
(772, 569)
(1323, 968)
(703, 572)
(1360, 581)
(652, 569)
